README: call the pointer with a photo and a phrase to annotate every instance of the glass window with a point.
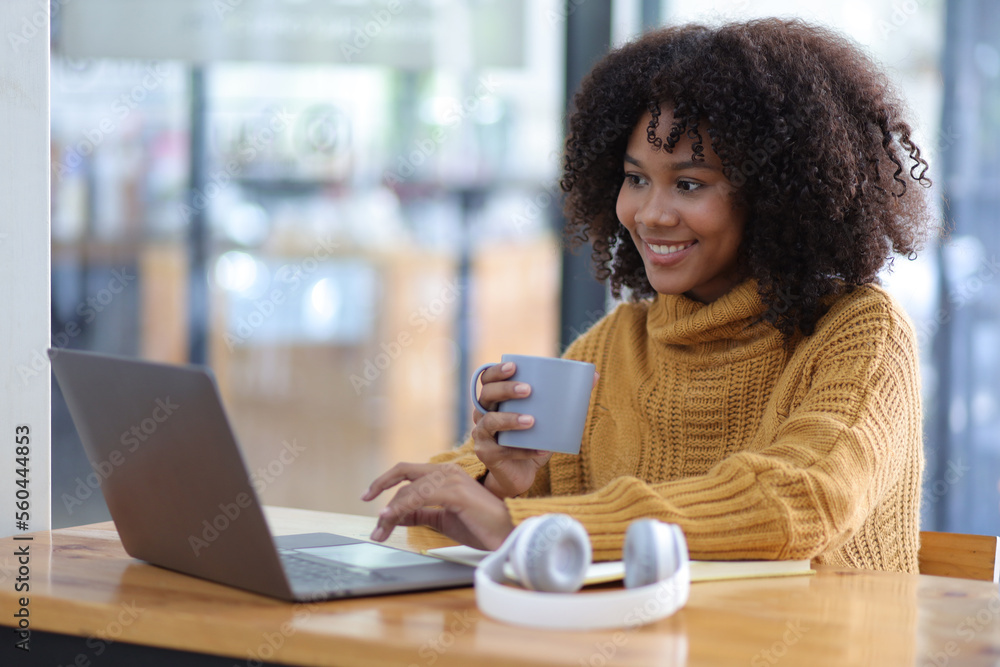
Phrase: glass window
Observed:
(368, 223)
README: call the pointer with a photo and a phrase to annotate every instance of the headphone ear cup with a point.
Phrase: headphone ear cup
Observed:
(679, 548)
(652, 552)
(552, 555)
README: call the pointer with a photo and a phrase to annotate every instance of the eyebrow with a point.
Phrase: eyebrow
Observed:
(677, 166)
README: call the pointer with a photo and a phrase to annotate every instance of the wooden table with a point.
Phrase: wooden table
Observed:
(86, 591)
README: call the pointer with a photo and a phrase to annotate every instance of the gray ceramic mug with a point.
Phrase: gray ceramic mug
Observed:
(560, 396)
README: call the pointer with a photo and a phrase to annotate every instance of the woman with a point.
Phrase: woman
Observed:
(742, 186)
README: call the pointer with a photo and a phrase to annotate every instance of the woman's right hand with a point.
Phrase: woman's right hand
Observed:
(511, 469)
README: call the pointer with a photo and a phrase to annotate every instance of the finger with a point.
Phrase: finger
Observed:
(493, 393)
(597, 377)
(525, 421)
(426, 516)
(492, 423)
(400, 472)
(442, 521)
(492, 375)
(451, 502)
(498, 372)
(410, 500)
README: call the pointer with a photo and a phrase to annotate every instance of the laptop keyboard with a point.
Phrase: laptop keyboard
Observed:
(328, 576)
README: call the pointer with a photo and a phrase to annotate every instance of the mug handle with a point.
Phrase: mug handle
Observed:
(472, 387)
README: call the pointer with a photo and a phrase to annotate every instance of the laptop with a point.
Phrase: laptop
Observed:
(181, 497)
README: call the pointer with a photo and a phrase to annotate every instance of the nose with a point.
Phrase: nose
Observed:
(657, 211)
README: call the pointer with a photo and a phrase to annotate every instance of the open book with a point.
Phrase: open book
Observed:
(701, 570)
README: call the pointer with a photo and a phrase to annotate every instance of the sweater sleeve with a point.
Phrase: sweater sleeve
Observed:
(464, 457)
(817, 472)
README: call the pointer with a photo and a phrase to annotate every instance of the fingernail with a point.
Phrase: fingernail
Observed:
(378, 534)
(364, 496)
(526, 420)
(507, 367)
(522, 389)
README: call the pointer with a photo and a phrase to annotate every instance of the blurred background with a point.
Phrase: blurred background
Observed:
(344, 206)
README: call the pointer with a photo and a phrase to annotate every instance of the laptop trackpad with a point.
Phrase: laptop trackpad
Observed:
(369, 556)
(352, 552)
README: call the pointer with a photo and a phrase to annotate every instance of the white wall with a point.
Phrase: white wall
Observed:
(24, 261)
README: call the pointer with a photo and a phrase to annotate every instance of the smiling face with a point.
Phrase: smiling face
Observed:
(680, 214)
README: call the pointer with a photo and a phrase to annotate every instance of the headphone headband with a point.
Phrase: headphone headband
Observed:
(588, 611)
(571, 611)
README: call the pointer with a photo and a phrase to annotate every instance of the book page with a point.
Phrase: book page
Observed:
(701, 570)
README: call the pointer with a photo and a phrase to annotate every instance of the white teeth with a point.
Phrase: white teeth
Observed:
(668, 249)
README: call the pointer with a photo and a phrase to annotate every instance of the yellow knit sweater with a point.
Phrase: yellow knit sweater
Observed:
(703, 418)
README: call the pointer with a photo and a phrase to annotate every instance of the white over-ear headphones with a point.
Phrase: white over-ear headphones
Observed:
(552, 553)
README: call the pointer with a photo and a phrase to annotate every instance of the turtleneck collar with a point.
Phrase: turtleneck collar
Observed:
(734, 317)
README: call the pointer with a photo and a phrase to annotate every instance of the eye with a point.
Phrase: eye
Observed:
(634, 180)
(688, 186)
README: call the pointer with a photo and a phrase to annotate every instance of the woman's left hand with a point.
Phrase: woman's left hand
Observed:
(444, 497)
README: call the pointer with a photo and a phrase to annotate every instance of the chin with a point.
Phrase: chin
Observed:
(668, 289)
(667, 286)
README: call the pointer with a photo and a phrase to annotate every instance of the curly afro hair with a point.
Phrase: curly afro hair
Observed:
(807, 129)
